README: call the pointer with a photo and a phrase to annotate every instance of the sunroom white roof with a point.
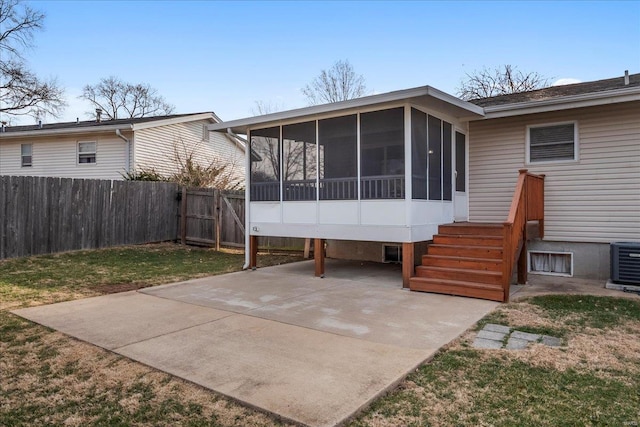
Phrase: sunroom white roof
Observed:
(425, 96)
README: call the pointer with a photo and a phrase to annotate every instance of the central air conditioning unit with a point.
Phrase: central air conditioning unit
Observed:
(625, 263)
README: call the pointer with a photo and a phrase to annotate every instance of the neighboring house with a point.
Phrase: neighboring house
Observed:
(111, 148)
(381, 176)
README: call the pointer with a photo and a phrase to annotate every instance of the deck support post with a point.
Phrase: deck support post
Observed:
(253, 250)
(318, 256)
(522, 263)
(408, 263)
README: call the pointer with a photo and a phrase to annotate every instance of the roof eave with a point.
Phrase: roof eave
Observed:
(65, 131)
(563, 103)
(240, 126)
(174, 120)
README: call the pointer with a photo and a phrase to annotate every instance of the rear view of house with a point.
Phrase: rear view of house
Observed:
(540, 182)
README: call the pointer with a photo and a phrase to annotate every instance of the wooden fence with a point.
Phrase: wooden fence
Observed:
(41, 215)
(47, 215)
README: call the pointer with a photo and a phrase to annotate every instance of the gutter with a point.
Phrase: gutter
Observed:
(64, 131)
(127, 163)
(247, 204)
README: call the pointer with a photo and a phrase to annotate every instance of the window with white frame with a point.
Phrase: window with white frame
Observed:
(205, 133)
(26, 155)
(86, 152)
(552, 263)
(548, 143)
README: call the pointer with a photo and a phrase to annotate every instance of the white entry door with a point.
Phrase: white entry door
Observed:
(460, 198)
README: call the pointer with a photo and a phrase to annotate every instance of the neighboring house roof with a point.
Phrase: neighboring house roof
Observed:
(104, 125)
(426, 95)
(587, 94)
(130, 124)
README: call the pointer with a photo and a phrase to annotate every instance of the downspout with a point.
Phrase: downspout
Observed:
(247, 166)
(127, 163)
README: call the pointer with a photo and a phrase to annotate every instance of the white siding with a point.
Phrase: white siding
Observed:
(593, 199)
(58, 157)
(163, 148)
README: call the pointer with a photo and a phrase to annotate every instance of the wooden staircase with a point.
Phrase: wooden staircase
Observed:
(477, 259)
(465, 259)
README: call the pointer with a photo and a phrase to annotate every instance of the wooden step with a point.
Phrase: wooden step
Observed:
(470, 228)
(462, 262)
(458, 287)
(464, 240)
(478, 276)
(491, 252)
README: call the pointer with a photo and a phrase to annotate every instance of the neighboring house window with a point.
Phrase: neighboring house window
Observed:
(86, 152)
(26, 151)
(205, 133)
(548, 143)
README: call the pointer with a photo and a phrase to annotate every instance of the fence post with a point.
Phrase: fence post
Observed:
(217, 213)
(183, 217)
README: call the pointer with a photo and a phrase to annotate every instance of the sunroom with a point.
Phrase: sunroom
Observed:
(386, 168)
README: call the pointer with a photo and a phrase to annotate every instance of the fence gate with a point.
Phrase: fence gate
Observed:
(211, 217)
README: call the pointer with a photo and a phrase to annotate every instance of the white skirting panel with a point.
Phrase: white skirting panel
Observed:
(383, 212)
(338, 232)
(265, 212)
(299, 212)
(426, 212)
(338, 212)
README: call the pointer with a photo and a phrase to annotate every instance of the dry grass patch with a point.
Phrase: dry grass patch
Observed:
(47, 378)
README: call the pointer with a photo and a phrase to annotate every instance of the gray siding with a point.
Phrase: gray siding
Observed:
(593, 199)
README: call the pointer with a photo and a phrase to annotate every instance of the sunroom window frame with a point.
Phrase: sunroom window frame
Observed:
(576, 143)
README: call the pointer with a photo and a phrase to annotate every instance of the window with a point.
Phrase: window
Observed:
(26, 155)
(382, 154)
(86, 152)
(205, 133)
(265, 164)
(299, 161)
(338, 151)
(552, 142)
(552, 263)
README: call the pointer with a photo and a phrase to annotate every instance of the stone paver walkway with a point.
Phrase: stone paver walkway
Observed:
(495, 337)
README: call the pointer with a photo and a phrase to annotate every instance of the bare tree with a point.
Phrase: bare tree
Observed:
(188, 167)
(118, 99)
(339, 83)
(265, 107)
(499, 81)
(21, 91)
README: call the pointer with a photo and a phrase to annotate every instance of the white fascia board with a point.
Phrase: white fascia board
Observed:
(175, 120)
(65, 131)
(563, 103)
(241, 125)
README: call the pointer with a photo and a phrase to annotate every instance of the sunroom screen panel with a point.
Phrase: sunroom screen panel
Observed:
(337, 140)
(299, 167)
(265, 164)
(382, 154)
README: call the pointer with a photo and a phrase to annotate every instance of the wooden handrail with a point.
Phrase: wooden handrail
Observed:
(527, 205)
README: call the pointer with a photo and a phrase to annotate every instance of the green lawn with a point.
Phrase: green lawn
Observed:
(47, 378)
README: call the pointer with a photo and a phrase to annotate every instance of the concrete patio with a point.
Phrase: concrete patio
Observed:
(314, 351)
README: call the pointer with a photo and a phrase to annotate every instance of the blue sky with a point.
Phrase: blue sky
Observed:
(224, 56)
